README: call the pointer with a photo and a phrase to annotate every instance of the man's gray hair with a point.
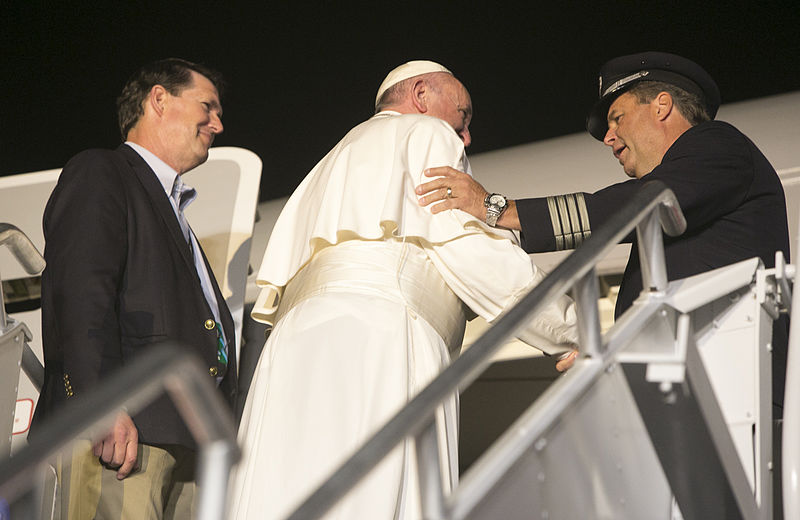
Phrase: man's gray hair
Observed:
(689, 105)
(174, 74)
(395, 94)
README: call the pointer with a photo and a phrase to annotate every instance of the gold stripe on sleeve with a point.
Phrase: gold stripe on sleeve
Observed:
(566, 226)
(577, 236)
(559, 236)
(584, 213)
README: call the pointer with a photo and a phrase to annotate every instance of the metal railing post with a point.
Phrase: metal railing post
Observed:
(429, 469)
(215, 461)
(586, 293)
(790, 441)
(651, 253)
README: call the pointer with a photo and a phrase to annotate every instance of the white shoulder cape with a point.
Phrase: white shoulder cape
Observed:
(364, 189)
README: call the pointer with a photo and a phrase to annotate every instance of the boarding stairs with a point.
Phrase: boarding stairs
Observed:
(665, 416)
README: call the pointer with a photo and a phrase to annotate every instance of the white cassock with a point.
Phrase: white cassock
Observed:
(368, 293)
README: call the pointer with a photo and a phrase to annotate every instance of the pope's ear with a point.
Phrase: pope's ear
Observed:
(419, 95)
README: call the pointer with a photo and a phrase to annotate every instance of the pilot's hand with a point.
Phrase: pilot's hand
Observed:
(464, 192)
(118, 449)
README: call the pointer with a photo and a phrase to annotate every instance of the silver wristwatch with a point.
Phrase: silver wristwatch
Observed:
(495, 204)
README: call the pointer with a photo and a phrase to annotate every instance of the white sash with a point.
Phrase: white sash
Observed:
(397, 270)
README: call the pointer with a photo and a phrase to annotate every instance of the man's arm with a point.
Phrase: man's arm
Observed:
(463, 260)
(466, 194)
(704, 171)
(552, 223)
(490, 274)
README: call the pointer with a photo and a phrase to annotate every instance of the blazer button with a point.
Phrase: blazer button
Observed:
(212, 371)
(210, 324)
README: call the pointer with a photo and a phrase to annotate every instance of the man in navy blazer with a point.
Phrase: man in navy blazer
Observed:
(124, 271)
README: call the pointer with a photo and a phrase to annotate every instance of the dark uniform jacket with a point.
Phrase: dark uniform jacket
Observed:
(730, 195)
(119, 278)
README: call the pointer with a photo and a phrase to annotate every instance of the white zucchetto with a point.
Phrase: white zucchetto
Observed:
(406, 71)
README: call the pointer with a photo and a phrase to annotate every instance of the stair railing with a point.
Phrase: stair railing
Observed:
(166, 367)
(653, 208)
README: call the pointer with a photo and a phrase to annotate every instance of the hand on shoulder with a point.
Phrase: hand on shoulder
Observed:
(452, 189)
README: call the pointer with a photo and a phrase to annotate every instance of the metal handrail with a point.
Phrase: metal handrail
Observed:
(166, 367)
(22, 248)
(654, 203)
(26, 254)
(32, 261)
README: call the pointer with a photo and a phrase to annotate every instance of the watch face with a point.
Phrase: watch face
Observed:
(497, 200)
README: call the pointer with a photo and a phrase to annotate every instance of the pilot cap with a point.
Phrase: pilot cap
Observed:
(406, 71)
(620, 74)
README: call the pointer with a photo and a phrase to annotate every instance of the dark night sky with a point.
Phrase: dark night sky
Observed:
(300, 77)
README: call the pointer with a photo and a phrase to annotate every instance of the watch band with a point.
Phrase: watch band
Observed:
(492, 214)
(493, 209)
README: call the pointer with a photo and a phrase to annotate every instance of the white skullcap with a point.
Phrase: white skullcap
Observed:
(406, 71)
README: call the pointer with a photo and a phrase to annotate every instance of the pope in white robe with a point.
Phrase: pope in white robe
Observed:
(368, 293)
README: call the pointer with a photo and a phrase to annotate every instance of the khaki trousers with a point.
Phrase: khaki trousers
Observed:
(162, 488)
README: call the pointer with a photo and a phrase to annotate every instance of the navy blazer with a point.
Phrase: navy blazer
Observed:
(119, 278)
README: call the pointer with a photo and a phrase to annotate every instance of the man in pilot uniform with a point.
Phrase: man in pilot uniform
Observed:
(656, 113)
